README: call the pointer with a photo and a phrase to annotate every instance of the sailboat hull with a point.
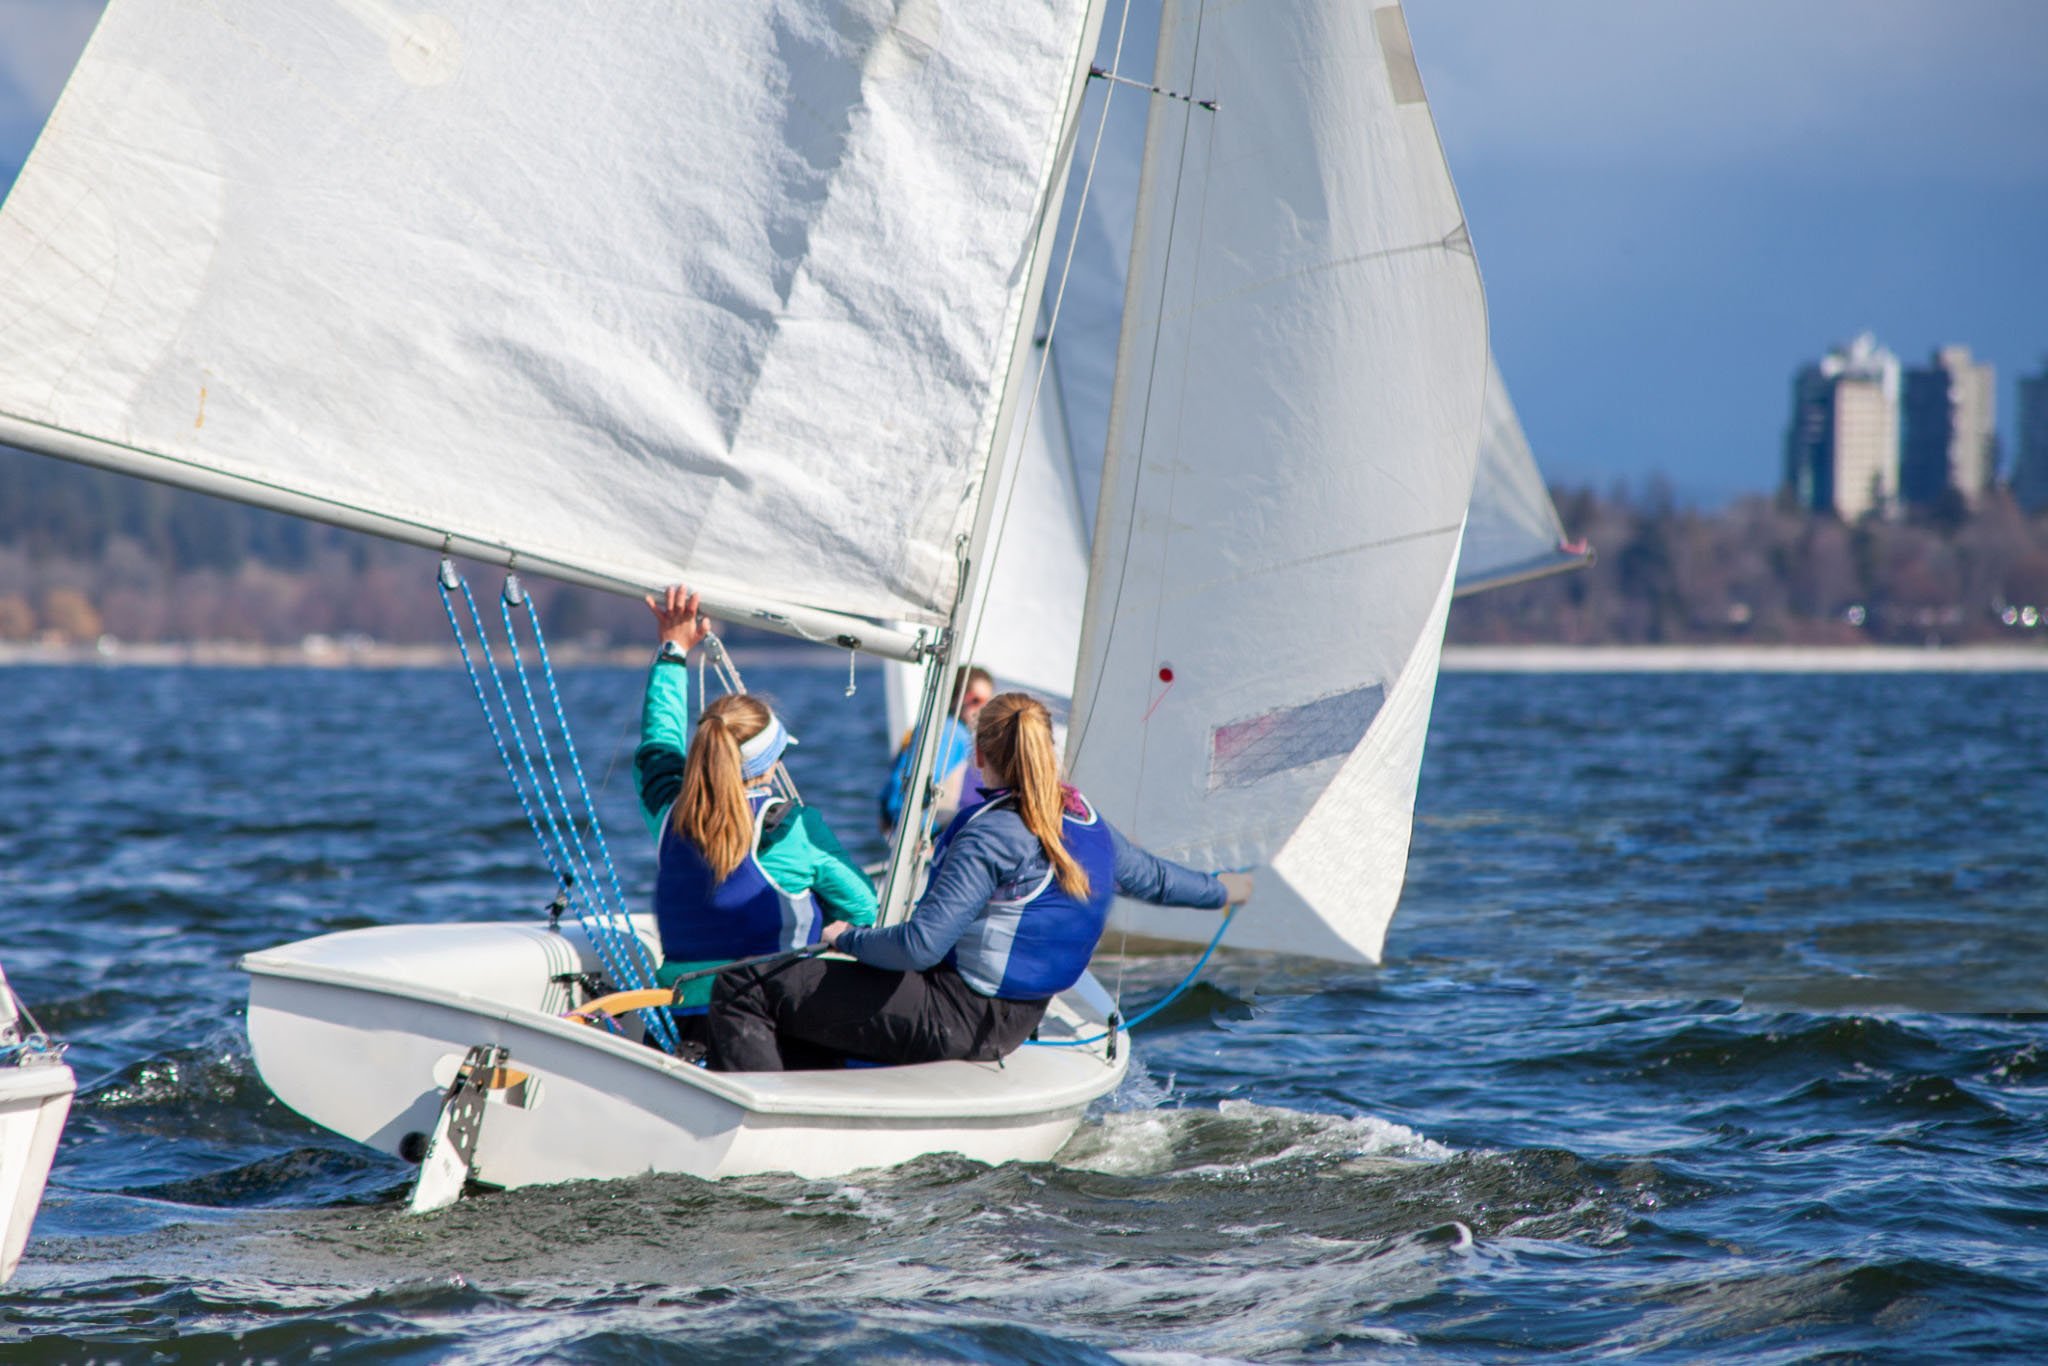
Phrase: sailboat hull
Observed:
(363, 1031)
(34, 1100)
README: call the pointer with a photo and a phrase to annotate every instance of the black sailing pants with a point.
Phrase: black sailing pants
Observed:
(812, 1013)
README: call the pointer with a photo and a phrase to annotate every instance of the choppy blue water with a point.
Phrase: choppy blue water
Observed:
(1714, 1025)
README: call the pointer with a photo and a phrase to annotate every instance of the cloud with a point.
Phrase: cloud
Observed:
(1882, 89)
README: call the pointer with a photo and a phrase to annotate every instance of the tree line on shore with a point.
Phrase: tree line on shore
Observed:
(85, 554)
(1762, 571)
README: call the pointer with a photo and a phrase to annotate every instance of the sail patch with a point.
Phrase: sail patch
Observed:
(1243, 752)
(1399, 54)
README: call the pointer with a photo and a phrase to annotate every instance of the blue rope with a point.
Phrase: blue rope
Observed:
(611, 926)
(578, 896)
(1151, 1010)
(547, 852)
(579, 886)
(547, 673)
(609, 931)
(490, 717)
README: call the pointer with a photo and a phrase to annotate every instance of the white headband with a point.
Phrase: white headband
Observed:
(762, 753)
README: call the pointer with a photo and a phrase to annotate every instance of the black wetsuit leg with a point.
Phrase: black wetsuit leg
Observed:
(813, 1013)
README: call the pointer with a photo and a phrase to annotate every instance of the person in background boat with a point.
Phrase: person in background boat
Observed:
(739, 871)
(1018, 897)
(957, 776)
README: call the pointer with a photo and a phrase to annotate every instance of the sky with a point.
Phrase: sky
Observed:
(1675, 202)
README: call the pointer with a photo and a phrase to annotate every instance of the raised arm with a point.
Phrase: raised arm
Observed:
(664, 738)
(665, 705)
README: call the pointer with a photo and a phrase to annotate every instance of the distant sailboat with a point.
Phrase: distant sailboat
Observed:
(1512, 531)
(742, 298)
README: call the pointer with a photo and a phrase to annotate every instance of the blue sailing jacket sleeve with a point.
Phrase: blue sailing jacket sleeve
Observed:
(965, 877)
(1144, 876)
(981, 856)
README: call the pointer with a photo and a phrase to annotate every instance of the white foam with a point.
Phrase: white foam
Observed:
(1148, 1142)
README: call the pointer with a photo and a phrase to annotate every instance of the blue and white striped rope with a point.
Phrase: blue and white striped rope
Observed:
(610, 926)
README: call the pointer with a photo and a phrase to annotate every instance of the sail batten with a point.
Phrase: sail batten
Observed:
(725, 293)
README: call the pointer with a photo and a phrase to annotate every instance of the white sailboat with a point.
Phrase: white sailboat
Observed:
(740, 296)
(35, 1096)
(1512, 533)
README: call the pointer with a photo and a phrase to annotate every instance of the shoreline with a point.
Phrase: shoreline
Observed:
(1457, 659)
(1769, 659)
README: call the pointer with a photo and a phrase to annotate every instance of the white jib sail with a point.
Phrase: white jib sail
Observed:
(1513, 532)
(1030, 622)
(725, 292)
(1300, 386)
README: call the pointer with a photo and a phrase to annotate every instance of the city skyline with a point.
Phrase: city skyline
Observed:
(1868, 433)
(1675, 204)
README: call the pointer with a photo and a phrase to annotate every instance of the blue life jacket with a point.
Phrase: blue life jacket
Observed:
(703, 919)
(1035, 938)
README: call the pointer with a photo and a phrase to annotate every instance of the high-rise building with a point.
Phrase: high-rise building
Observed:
(1842, 449)
(1951, 431)
(2030, 467)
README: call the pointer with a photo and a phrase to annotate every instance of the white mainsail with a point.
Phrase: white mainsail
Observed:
(724, 293)
(1513, 532)
(732, 293)
(1300, 389)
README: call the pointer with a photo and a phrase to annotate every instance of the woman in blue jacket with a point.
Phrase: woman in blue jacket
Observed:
(739, 871)
(1019, 894)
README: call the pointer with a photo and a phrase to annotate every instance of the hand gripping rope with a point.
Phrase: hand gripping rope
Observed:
(600, 906)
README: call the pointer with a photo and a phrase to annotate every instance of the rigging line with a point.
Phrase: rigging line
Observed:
(1162, 1003)
(572, 882)
(712, 654)
(1078, 734)
(928, 820)
(498, 739)
(577, 891)
(613, 921)
(612, 760)
(617, 908)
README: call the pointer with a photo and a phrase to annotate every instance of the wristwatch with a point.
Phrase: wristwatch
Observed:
(671, 653)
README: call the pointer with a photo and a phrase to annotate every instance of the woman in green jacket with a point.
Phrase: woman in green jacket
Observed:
(740, 871)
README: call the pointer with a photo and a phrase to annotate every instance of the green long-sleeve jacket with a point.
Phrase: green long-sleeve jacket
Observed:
(801, 853)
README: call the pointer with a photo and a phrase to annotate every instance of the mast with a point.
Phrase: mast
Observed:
(1021, 374)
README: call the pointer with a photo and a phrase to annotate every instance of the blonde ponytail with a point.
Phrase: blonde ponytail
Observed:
(1014, 736)
(711, 811)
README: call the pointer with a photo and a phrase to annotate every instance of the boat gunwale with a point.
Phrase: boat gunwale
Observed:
(819, 1094)
(37, 1081)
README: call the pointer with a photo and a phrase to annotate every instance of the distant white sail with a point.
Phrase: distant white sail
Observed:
(1513, 532)
(1300, 388)
(723, 292)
